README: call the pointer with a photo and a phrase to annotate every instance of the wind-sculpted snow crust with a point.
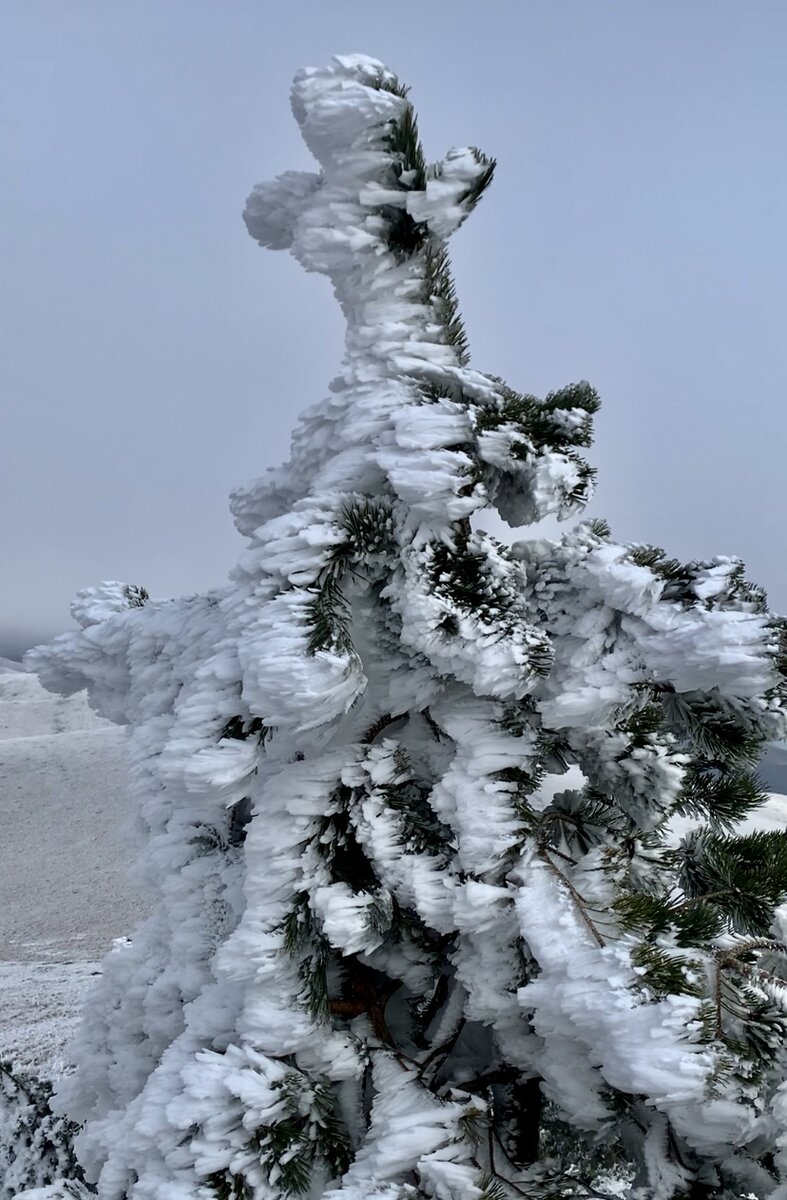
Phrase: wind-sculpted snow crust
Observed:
(363, 902)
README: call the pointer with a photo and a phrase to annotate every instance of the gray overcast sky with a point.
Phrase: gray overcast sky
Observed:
(151, 357)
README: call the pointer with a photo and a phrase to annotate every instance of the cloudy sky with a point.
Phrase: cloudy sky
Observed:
(151, 357)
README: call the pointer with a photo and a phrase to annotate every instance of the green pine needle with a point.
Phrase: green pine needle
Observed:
(665, 974)
(723, 798)
(328, 617)
(404, 144)
(440, 291)
(744, 878)
(710, 728)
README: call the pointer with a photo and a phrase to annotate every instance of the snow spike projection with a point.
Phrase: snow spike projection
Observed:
(408, 797)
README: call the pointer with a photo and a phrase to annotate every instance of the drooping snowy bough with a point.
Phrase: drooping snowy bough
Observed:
(395, 954)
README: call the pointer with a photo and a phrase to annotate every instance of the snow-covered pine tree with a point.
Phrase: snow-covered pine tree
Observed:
(398, 951)
(36, 1145)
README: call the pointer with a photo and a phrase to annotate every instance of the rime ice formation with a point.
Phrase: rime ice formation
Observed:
(366, 904)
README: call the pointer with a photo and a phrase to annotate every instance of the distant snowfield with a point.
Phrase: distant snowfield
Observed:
(64, 890)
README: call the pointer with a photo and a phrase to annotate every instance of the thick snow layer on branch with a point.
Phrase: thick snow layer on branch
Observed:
(596, 1030)
(411, 1130)
(283, 682)
(613, 630)
(501, 656)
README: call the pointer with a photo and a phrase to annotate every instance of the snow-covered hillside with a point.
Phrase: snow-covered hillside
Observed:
(64, 889)
(66, 892)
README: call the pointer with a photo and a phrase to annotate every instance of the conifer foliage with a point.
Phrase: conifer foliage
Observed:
(443, 831)
(36, 1145)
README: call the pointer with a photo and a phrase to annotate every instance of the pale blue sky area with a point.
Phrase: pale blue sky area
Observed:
(151, 357)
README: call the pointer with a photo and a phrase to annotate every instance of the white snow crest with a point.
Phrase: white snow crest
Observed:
(486, 962)
(475, 799)
(585, 1006)
(612, 630)
(292, 548)
(412, 1131)
(342, 107)
(493, 661)
(286, 805)
(65, 1190)
(225, 769)
(778, 1118)
(96, 658)
(526, 485)
(345, 918)
(472, 784)
(425, 465)
(92, 605)
(432, 426)
(646, 779)
(434, 483)
(284, 683)
(273, 209)
(417, 879)
(702, 650)
(441, 204)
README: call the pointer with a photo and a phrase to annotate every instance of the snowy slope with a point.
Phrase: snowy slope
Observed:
(64, 889)
(40, 1005)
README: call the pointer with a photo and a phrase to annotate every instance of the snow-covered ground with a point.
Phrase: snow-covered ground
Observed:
(39, 1010)
(64, 889)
